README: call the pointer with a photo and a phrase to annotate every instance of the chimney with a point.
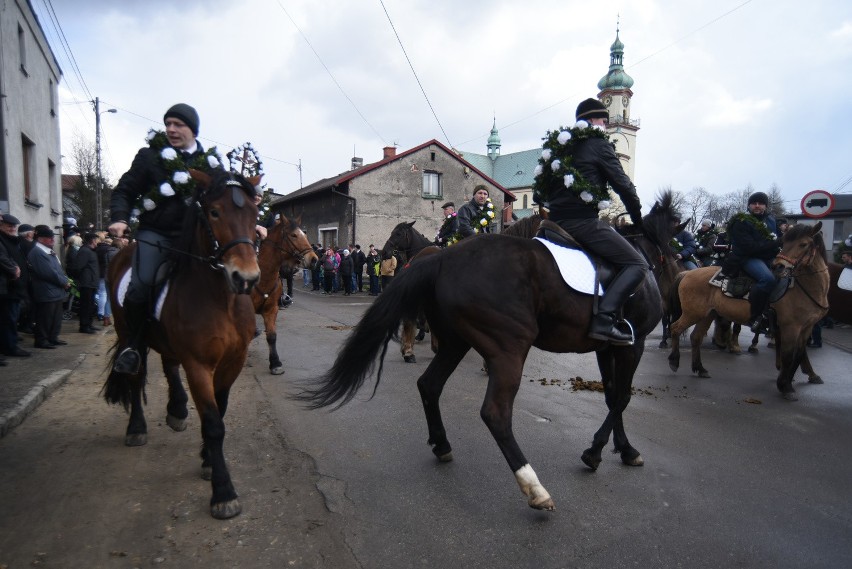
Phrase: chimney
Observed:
(357, 162)
(389, 152)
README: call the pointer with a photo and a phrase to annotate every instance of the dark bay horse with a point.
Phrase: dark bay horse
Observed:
(206, 323)
(474, 298)
(802, 257)
(286, 244)
(410, 245)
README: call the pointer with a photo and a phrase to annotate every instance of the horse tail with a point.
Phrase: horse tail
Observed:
(402, 299)
(675, 308)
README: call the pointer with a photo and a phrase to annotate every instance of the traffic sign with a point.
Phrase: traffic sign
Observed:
(817, 203)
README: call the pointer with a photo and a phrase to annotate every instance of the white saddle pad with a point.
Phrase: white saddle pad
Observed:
(576, 268)
(844, 281)
(124, 283)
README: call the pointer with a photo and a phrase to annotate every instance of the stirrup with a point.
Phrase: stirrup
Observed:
(128, 361)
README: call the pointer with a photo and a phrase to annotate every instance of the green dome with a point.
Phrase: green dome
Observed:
(616, 78)
(494, 139)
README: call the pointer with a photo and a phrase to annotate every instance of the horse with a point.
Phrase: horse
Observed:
(802, 257)
(206, 323)
(473, 298)
(411, 245)
(286, 243)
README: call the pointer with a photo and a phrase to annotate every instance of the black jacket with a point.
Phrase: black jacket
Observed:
(147, 172)
(466, 215)
(748, 242)
(10, 256)
(85, 268)
(595, 160)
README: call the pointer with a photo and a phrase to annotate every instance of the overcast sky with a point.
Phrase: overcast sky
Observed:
(729, 93)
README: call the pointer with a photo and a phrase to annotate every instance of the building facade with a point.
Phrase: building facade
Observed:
(363, 205)
(30, 156)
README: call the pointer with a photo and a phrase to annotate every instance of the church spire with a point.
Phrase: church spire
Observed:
(494, 141)
(616, 78)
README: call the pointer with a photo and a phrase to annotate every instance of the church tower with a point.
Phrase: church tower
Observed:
(615, 94)
(494, 142)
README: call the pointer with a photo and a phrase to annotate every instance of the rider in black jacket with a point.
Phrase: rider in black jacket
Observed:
(595, 159)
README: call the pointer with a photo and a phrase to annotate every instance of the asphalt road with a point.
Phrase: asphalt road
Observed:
(734, 476)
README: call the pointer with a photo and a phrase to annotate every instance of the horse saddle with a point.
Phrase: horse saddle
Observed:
(738, 286)
(162, 288)
(577, 267)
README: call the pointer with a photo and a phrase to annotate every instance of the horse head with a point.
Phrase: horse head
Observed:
(225, 221)
(288, 238)
(401, 240)
(801, 245)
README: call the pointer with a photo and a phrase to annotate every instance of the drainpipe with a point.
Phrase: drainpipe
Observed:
(354, 203)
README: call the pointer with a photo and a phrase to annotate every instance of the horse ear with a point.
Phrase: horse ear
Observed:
(200, 177)
(412, 223)
(298, 221)
(817, 227)
(680, 227)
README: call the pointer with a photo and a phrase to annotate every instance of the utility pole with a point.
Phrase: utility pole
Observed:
(99, 184)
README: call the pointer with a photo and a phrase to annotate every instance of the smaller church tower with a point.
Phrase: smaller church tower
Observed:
(494, 142)
(615, 94)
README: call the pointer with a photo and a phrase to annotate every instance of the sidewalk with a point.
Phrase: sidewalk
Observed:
(26, 382)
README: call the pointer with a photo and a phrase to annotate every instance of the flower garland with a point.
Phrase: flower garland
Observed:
(245, 160)
(555, 167)
(450, 239)
(178, 182)
(756, 223)
(677, 247)
(484, 218)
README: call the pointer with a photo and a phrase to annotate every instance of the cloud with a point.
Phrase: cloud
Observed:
(724, 111)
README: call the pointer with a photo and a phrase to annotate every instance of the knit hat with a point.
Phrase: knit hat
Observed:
(185, 113)
(43, 231)
(758, 197)
(591, 109)
(345, 252)
(9, 219)
(707, 222)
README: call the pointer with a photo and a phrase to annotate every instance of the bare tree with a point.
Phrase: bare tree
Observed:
(83, 198)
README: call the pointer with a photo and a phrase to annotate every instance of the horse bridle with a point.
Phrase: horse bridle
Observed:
(790, 266)
(298, 254)
(215, 260)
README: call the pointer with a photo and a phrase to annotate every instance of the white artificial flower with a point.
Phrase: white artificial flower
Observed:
(168, 153)
(166, 189)
(569, 180)
(538, 170)
(213, 161)
(489, 204)
(148, 204)
(135, 212)
(546, 154)
(563, 137)
(604, 204)
(555, 165)
(483, 222)
(181, 177)
(581, 124)
(151, 134)
(599, 127)
(586, 196)
(490, 214)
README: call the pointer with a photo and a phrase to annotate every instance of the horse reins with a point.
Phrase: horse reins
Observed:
(793, 264)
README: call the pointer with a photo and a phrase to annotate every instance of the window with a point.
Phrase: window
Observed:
(525, 201)
(22, 49)
(28, 153)
(52, 95)
(431, 185)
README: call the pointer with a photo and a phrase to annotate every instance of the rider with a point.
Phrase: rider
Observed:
(160, 220)
(754, 244)
(683, 244)
(471, 214)
(449, 227)
(705, 238)
(595, 159)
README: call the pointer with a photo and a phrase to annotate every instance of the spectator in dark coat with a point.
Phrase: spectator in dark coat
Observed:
(86, 276)
(359, 259)
(347, 269)
(50, 284)
(13, 288)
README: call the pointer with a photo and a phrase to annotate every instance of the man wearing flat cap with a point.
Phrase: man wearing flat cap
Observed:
(160, 219)
(50, 286)
(448, 232)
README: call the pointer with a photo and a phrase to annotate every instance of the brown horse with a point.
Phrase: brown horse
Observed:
(473, 298)
(803, 258)
(206, 322)
(288, 245)
(410, 245)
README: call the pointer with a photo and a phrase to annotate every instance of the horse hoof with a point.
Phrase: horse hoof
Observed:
(207, 473)
(226, 510)
(279, 370)
(136, 440)
(817, 380)
(419, 337)
(664, 344)
(590, 460)
(703, 373)
(546, 505)
(446, 457)
(752, 350)
(790, 396)
(633, 461)
(673, 366)
(176, 424)
(410, 359)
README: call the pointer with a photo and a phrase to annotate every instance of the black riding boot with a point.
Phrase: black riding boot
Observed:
(758, 302)
(604, 323)
(130, 358)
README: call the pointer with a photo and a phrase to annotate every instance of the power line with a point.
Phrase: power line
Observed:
(330, 74)
(415, 75)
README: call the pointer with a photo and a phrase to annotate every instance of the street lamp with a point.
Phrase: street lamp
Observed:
(99, 190)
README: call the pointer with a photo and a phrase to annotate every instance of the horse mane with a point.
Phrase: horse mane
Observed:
(657, 223)
(525, 228)
(186, 242)
(801, 230)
